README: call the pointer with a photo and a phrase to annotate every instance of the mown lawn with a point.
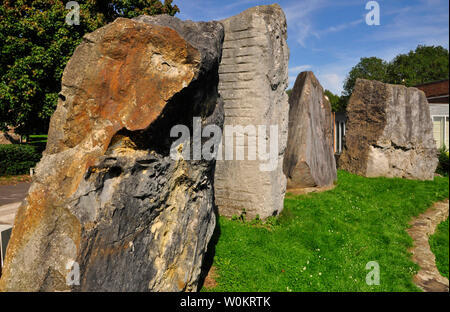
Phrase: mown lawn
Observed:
(37, 138)
(440, 247)
(323, 241)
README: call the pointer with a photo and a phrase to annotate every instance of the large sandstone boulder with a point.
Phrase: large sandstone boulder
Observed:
(107, 200)
(309, 159)
(253, 78)
(389, 132)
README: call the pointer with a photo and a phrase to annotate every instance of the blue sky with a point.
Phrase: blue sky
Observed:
(328, 37)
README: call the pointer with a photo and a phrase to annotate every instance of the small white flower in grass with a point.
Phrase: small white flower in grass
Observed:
(320, 273)
(304, 268)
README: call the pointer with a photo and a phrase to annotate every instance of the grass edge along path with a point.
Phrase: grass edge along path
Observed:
(439, 244)
(323, 241)
(428, 278)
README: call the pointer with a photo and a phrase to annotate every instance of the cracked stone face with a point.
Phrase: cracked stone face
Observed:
(389, 132)
(106, 194)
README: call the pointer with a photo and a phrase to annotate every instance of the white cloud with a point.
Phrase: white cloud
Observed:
(341, 27)
(291, 81)
(426, 23)
(332, 75)
(299, 19)
(332, 82)
(299, 69)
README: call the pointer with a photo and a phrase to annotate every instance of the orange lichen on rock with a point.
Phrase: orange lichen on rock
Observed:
(120, 77)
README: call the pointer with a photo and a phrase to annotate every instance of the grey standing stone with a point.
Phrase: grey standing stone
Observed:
(389, 132)
(309, 159)
(253, 78)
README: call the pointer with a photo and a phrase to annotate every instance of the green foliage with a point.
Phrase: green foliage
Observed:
(425, 64)
(439, 244)
(443, 165)
(323, 241)
(36, 44)
(17, 158)
(338, 103)
(39, 141)
(371, 68)
(289, 92)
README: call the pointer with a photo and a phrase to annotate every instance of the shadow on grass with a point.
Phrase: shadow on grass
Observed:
(208, 259)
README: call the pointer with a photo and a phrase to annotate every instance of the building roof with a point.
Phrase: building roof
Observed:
(435, 88)
(436, 91)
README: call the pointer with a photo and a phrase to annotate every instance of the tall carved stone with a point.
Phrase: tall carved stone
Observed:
(309, 159)
(107, 200)
(253, 78)
(389, 132)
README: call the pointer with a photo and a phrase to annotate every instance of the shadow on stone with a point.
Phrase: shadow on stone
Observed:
(208, 259)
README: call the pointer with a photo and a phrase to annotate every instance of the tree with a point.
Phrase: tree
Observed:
(338, 103)
(289, 92)
(36, 44)
(425, 64)
(371, 68)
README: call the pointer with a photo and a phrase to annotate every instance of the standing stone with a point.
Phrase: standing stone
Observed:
(309, 159)
(108, 207)
(389, 132)
(253, 78)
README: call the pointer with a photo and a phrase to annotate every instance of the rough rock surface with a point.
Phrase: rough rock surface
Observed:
(253, 78)
(106, 194)
(389, 132)
(309, 159)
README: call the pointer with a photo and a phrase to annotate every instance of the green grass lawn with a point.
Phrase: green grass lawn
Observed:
(439, 246)
(323, 241)
(37, 138)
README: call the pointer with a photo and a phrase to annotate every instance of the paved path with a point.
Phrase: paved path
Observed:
(8, 213)
(428, 278)
(10, 198)
(13, 193)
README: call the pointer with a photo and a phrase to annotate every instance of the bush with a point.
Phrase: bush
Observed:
(17, 158)
(443, 165)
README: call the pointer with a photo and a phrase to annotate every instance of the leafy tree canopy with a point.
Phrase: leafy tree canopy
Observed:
(371, 68)
(425, 64)
(289, 92)
(337, 102)
(35, 45)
